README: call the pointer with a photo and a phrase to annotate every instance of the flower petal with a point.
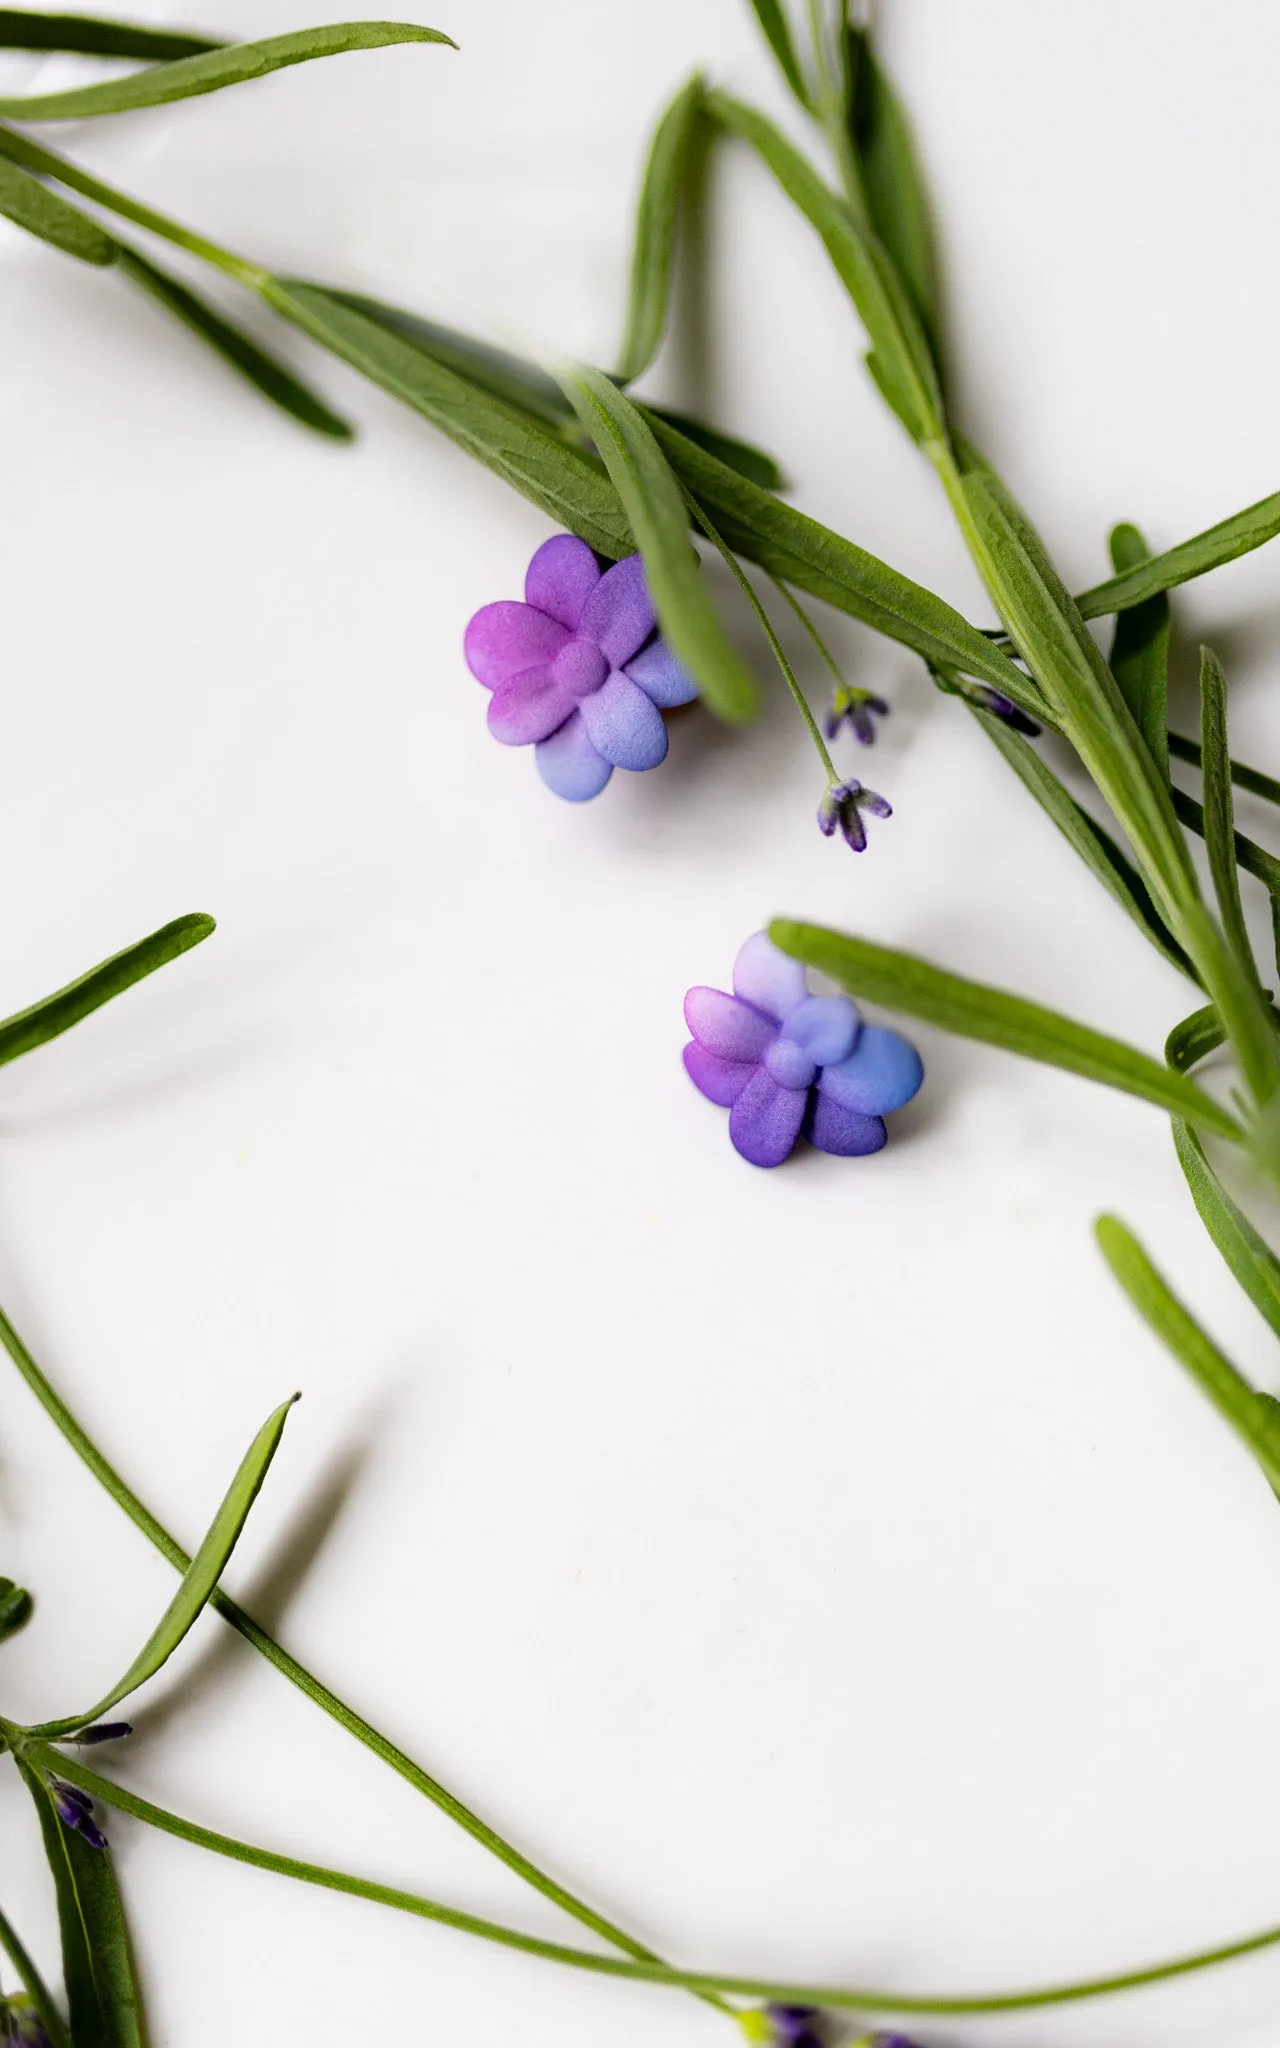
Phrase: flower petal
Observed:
(825, 1026)
(883, 1071)
(846, 1132)
(619, 614)
(730, 1029)
(570, 765)
(765, 1121)
(719, 1080)
(624, 725)
(561, 577)
(503, 639)
(771, 980)
(528, 707)
(661, 677)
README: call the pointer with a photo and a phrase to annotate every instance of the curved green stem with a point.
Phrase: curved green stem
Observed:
(298, 1675)
(834, 1996)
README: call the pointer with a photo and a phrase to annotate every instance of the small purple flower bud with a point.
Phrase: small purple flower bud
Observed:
(106, 1731)
(793, 2026)
(23, 2028)
(855, 707)
(74, 1809)
(841, 811)
(1004, 708)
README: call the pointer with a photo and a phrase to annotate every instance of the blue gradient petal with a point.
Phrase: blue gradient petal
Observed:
(883, 1071)
(771, 980)
(826, 1027)
(624, 725)
(661, 676)
(570, 765)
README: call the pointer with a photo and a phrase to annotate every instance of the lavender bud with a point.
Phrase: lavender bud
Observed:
(841, 811)
(75, 1810)
(105, 1731)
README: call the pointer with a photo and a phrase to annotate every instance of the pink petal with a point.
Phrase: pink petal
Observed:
(527, 708)
(624, 725)
(504, 639)
(721, 1081)
(570, 765)
(730, 1029)
(561, 577)
(771, 980)
(619, 614)
(765, 1121)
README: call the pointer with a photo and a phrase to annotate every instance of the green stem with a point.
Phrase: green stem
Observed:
(702, 1981)
(743, 581)
(20, 149)
(34, 1985)
(298, 1675)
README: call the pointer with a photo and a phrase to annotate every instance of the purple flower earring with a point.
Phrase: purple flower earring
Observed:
(785, 1063)
(578, 671)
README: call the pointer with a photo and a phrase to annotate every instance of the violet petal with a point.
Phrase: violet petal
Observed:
(771, 980)
(721, 1081)
(846, 1132)
(528, 708)
(726, 1026)
(561, 577)
(826, 1026)
(883, 1071)
(765, 1121)
(624, 725)
(661, 676)
(619, 613)
(507, 637)
(570, 765)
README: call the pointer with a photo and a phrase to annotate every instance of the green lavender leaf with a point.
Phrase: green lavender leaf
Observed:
(1242, 775)
(1249, 1257)
(657, 223)
(1209, 550)
(1254, 1420)
(658, 516)
(777, 32)
(796, 549)
(26, 1030)
(531, 456)
(1140, 652)
(16, 1607)
(903, 361)
(1254, 859)
(91, 36)
(902, 981)
(743, 457)
(265, 372)
(199, 1579)
(1219, 825)
(892, 183)
(1095, 847)
(45, 214)
(34, 1986)
(234, 64)
(97, 1960)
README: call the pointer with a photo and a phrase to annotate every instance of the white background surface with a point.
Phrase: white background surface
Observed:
(822, 1570)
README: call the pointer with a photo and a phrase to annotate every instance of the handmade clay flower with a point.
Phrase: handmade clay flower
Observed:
(786, 1063)
(579, 670)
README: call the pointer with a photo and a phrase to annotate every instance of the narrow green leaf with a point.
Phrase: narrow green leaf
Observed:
(199, 1579)
(33, 1984)
(16, 1608)
(796, 549)
(777, 32)
(905, 366)
(1251, 1418)
(748, 461)
(233, 64)
(902, 981)
(657, 223)
(1095, 847)
(510, 377)
(659, 517)
(1236, 536)
(97, 1959)
(26, 1030)
(90, 36)
(1254, 859)
(1140, 652)
(1219, 824)
(891, 180)
(265, 372)
(1242, 775)
(45, 214)
(531, 456)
